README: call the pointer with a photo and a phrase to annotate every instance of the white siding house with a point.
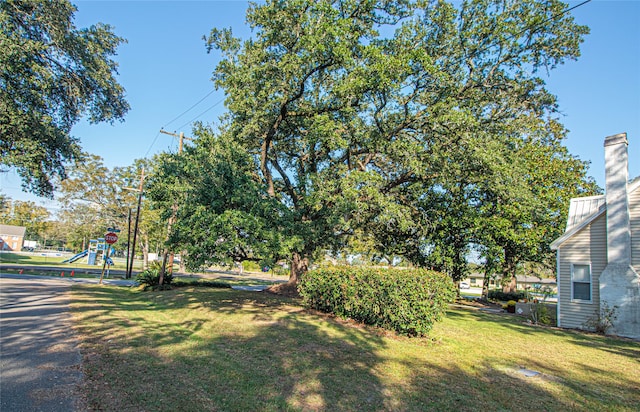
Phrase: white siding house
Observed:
(598, 256)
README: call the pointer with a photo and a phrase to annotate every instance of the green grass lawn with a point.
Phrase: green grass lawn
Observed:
(50, 259)
(218, 349)
(30, 258)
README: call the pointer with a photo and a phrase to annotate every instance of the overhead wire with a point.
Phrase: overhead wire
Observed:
(221, 100)
(548, 20)
(155, 139)
(195, 118)
(152, 143)
(481, 50)
(189, 109)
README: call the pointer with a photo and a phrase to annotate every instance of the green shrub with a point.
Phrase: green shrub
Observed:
(539, 314)
(603, 320)
(150, 279)
(407, 301)
(200, 283)
(252, 266)
(502, 296)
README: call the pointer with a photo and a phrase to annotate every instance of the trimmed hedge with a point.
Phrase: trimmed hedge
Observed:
(201, 283)
(504, 297)
(407, 301)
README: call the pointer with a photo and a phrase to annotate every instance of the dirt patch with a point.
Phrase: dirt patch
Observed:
(284, 289)
(477, 304)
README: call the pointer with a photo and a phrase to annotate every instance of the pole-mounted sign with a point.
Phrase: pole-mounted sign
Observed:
(111, 238)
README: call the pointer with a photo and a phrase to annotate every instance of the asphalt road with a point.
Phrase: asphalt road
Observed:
(39, 357)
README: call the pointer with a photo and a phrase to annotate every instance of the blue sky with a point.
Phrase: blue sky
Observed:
(165, 69)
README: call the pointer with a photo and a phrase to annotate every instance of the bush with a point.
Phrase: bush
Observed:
(200, 283)
(603, 320)
(407, 301)
(502, 296)
(539, 314)
(150, 279)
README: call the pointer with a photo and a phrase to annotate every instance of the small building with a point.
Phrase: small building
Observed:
(598, 256)
(532, 283)
(523, 282)
(11, 237)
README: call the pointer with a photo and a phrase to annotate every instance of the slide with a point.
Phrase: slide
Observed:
(76, 257)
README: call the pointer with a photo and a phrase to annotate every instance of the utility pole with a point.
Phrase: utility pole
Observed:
(135, 227)
(181, 137)
(128, 243)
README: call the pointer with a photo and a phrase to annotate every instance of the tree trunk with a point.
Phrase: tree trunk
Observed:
(485, 284)
(169, 265)
(183, 267)
(490, 268)
(511, 286)
(145, 252)
(509, 273)
(162, 269)
(299, 265)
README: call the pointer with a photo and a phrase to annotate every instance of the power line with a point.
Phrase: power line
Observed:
(483, 49)
(152, 143)
(195, 118)
(549, 19)
(186, 111)
(574, 7)
(189, 122)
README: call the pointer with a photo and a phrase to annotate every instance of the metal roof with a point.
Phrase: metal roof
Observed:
(584, 210)
(582, 207)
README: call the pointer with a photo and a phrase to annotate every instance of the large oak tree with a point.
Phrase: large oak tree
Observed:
(395, 119)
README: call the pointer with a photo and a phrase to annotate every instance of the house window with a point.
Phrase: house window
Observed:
(581, 282)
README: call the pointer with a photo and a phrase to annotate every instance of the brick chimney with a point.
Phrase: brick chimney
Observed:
(619, 282)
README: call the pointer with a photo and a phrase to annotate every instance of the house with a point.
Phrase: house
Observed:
(11, 237)
(598, 256)
(524, 282)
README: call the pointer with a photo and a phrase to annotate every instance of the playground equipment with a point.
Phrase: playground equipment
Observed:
(96, 247)
(76, 257)
(97, 251)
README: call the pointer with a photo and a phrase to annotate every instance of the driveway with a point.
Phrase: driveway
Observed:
(39, 357)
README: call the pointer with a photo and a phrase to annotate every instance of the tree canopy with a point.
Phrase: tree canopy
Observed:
(413, 123)
(20, 213)
(223, 213)
(51, 75)
(95, 197)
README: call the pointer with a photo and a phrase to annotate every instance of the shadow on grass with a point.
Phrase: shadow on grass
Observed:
(614, 345)
(620, 346)
(7, 258)
(504, 321)
(196, 350)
